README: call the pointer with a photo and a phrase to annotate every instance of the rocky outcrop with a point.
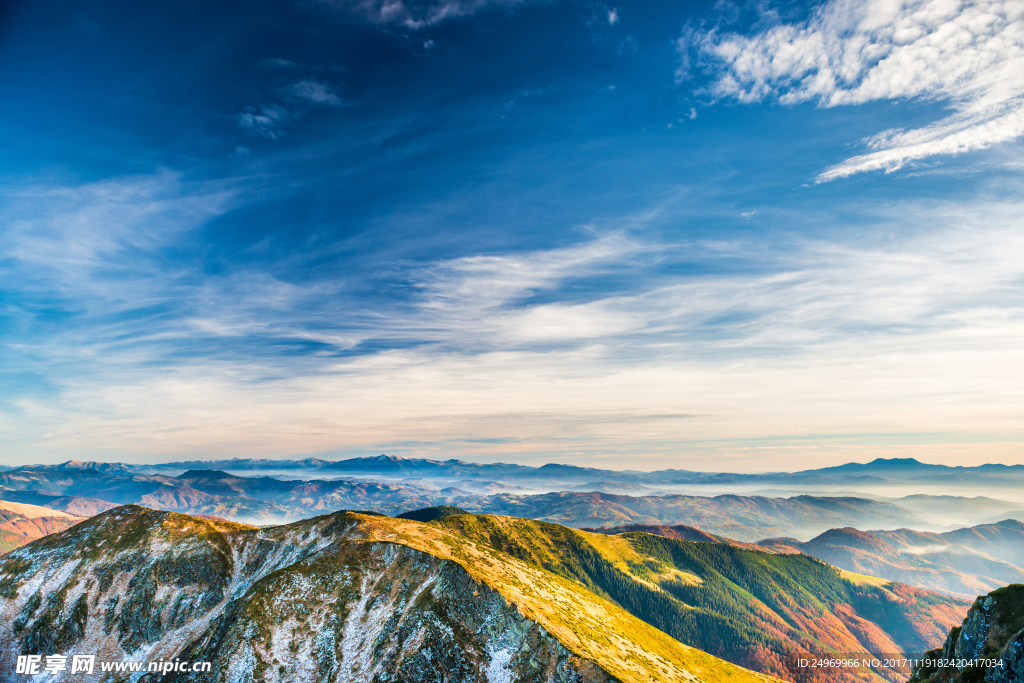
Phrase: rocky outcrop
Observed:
(992, 633)
(385, 613)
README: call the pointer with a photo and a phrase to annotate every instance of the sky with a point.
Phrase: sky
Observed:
(707, 235)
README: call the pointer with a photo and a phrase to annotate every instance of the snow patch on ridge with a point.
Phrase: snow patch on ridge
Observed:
(498, 670)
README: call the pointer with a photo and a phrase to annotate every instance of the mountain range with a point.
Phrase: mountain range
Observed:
(82, 489)
(747, 606)
(882, 471)
(383, 598)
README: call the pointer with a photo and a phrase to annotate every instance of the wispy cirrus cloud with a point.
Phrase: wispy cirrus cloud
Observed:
(315, 93)
(854, 342)
(583, 348)
(70, 238)
(302, 91)
(269, 120)
(484, 282)
(968, 56)
(418, 14)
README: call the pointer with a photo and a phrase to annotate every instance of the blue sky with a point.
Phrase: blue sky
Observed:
(718, 236)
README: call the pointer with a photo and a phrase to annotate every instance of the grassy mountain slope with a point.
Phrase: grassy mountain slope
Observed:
(384, 598)
(680, 532)
(752, 608)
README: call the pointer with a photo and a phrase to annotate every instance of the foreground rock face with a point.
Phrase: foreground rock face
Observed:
(993, 630)
(308, 602)
(381, 612)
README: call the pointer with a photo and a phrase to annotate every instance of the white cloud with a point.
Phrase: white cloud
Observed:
(315, 93)
(73, 238)
(292, 101)
(414, 14)
(881, 336)
(967, 55)
(267, 121)
(486, 282)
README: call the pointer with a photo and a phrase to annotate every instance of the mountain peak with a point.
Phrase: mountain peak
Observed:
(848, 537)
(383, 458)
(895, 462)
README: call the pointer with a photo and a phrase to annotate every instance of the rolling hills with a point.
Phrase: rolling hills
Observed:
(259, 500)
(966, 562)
(264, 500)
(745, 518)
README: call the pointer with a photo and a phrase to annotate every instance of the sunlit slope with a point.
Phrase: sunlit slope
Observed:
(749, 607)
(338, 597)
(21, 524)
(589, 625)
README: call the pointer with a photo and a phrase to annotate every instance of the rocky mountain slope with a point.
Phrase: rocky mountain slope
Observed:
(994, 631)
(341, 597)
(964, 562)
(21, 523)
(750, 607)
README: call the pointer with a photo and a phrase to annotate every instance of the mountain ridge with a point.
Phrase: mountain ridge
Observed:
(241, 594)
(873, 470)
